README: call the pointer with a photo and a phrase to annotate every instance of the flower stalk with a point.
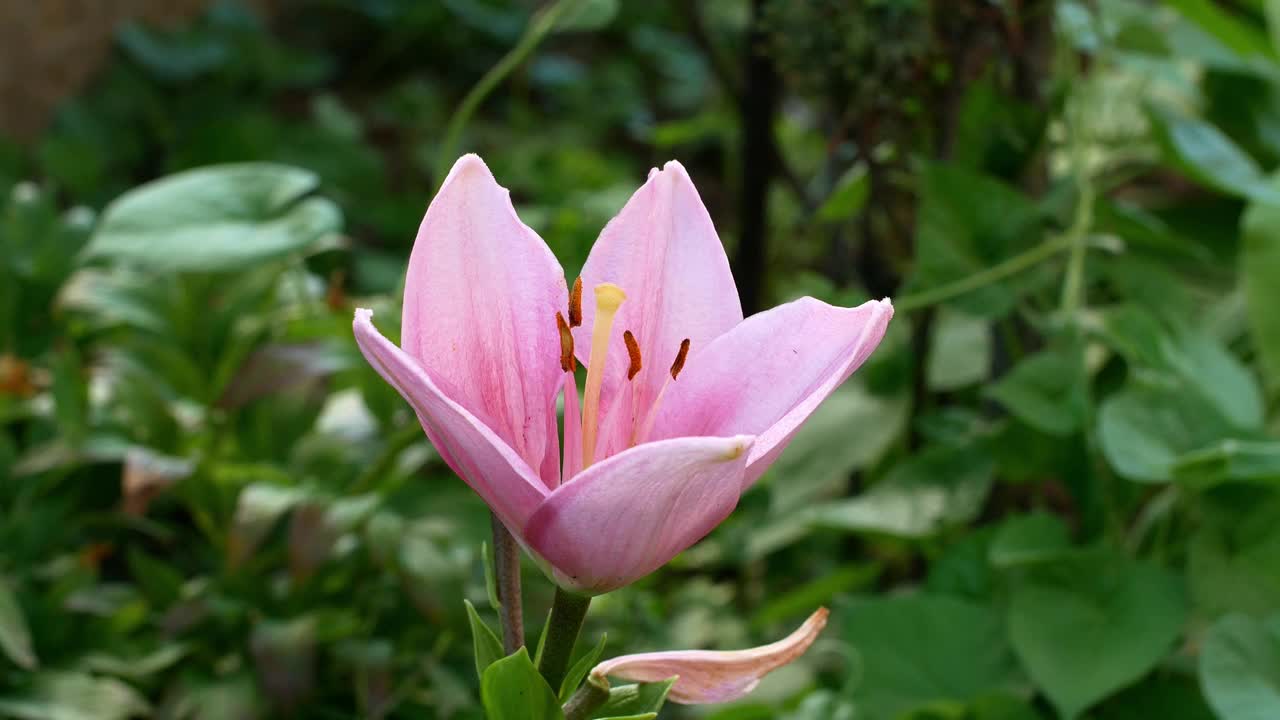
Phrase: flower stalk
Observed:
(586, 700)
(568, 611)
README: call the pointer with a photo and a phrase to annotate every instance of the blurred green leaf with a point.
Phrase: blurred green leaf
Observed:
(960, 352)
(1046, 391)
(1144, 430)
(1027, 539)
(968, 222)
(1259, 267)
(848, 197)
(58, 695)
(918, 650)
(1209, 156)
(938, 487)
(218, 218)
(15, 635)
(586, 15)
(1240, 667)
(1086, 626)
(1231, 563)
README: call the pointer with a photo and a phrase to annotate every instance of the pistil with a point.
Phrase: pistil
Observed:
(609, 298)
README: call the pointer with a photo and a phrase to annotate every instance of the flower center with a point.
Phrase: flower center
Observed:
(609, 298)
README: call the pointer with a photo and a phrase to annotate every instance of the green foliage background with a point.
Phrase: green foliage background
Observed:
(1054, 492)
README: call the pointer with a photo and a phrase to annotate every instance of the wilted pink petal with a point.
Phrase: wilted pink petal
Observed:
(626, 516)
(481, 298)
(767, 375)
(709, 676)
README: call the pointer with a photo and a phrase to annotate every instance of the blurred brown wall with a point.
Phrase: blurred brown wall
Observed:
(49, 49)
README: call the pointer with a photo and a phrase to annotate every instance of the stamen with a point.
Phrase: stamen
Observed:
(609, 298)
(678, 365)
(575, 304)
(633, 352)
(567, 362)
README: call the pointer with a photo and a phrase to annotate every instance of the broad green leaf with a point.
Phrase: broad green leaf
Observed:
(75, 696)
(938, 487)
(1027, 539)
(1206, 154)
(1046, 391)
(15, 635)
(1259, 268)
(485, 642)
(580, 668)
(512, 689)
(635, 700)
(218, 218)
(1240, 668)
(848, 197)
(960, 353)
(915, 651)
(1145, 429)
(1091, 624)
(1231, 559)
(1206, 365)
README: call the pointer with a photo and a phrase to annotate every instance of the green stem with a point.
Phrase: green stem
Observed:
(506, 562)
(586, 700)
(979, 280)
(541, 24)
(567, 613)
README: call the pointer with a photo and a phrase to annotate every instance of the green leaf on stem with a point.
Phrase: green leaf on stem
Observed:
(512, 689)
(579, 669)
(487, 645)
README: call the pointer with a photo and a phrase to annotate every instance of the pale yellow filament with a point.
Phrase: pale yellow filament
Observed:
(609, 298)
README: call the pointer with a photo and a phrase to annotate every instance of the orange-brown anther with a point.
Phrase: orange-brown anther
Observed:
(567, 361)
(678, 365)
(633, 352)
(575, 304)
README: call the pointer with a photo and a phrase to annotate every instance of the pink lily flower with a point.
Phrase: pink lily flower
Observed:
(708, 676)
(685, 403)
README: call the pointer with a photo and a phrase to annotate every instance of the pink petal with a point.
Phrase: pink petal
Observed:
(572, 429)
(766, 376)
(663, 251)
(626, 516)
(480, 306)
(707, 676)
(481, 458)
